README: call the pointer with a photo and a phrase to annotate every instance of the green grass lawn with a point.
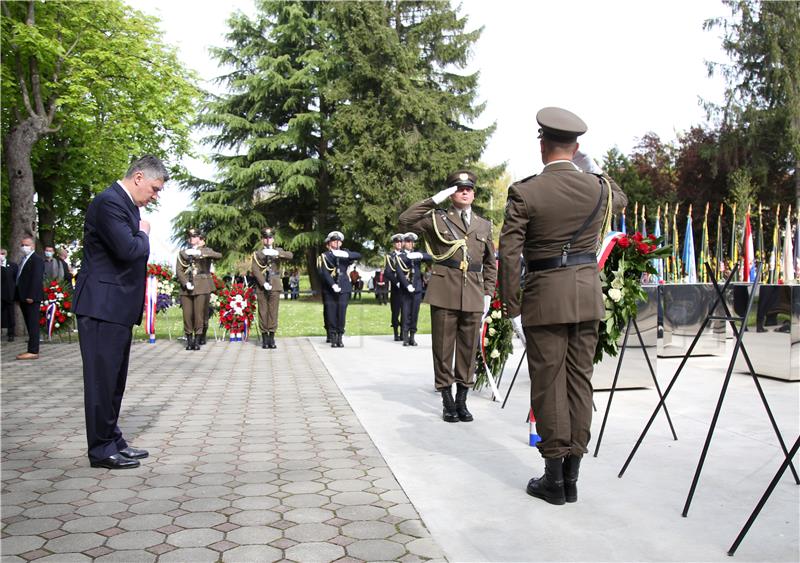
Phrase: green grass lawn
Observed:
(302, 317)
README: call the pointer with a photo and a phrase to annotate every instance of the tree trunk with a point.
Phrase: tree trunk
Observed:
(313, 275)
(45, 189)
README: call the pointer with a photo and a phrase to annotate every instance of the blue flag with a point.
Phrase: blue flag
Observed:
(658, 263)
(622, 227)
(688, 257)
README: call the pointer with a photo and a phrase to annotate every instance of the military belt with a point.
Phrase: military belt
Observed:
(559, 262)
(450, 263)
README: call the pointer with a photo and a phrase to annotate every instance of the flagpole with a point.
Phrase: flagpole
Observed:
(719, 253)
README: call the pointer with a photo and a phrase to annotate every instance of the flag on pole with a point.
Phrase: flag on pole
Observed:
(788, 250)
(658, 263)
(797, 245)
(689, 262)
(622, 227)
(704, 254)
(748, 254)
(719, 255)
(773, 256)
(643, 228)
(677, 268)
(734, 254)
(761, 251)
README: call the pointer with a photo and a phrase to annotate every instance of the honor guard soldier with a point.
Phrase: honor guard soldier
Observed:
(201, 340)
(410, 274)
(462, 282)
(391, 273)
(332, 265)
(555, 220)
(266, 270)
(193, 270)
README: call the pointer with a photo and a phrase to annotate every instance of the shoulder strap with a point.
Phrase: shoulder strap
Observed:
(566, 247)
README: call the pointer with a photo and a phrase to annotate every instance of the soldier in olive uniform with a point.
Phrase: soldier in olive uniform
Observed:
(409, 265)
(390, 272)
(461, 284)
(201, 340)
(266, 270)
(554, 220)
(193, 270)
(332, 265)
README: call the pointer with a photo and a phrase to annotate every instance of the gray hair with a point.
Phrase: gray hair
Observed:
(151, 166)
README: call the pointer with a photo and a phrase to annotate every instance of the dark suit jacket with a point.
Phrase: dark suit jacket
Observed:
(111, 280)
(31, 280)
(8, 283)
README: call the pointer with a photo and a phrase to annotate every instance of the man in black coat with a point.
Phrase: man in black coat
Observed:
(8, 286)
(109, 300)
(29, 293)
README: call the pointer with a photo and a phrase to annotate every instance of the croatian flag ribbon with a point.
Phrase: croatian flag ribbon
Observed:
(50, 317)
(150, 300)
(608, 244)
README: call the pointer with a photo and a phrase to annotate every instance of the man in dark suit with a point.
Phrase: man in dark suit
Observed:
(8, 285)
(29, 294)
(109, 300)
(555, 220)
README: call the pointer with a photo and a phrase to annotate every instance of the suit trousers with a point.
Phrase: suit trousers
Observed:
(31, 314)
(411, 303)
(454, 331)
(268, 302)
(395, 301)
(195, 312)
(105, 351)
(335, 310)
(8, 314)
(560, 367)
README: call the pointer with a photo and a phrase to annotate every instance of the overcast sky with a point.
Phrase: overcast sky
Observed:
(626, 67)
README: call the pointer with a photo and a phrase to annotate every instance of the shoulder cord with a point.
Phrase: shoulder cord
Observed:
(331, 269)
(605, 227)
(186, 266)
(454, 245)
(263, 267)
(389, 262)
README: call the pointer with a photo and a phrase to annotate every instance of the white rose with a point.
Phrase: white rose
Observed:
(58, 325)
(492, 332)
(496, 314)
(495, 353)
(615, 294)
(617, 283)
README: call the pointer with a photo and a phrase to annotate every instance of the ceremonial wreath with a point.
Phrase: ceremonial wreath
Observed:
(55, 309)
(624, 259)
(164, 286)
(236, 306)
(495, 345)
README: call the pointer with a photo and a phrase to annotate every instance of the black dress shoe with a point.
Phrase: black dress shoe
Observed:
(134, 453)
(116, 461)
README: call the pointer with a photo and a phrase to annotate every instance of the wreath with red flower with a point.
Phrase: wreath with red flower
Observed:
(166, 288)
(236, 305)
(213, 299)
(56, 306)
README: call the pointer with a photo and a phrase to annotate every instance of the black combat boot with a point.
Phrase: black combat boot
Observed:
(264, 338)
(339, 336)
(190, 341)
(195, 344)
(549, 487)
(461, 403)
(411, 341)
(405, 338)
(571, 465)
(334, 339)
(201, 338)
(271, 342)
(449, 413)
(397, 337)
(329, 338)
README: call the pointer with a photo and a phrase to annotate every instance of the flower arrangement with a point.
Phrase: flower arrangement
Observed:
(496, 346)
(56, 308)
(165, 288)
(630, 258)
(213, 298)
(236, 305)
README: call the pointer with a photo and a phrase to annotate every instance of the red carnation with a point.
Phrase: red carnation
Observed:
(652, 237)
(637, 236)
(51, 296)
(67, 305)
(496, 304)
(42, 322)
(623, 242)
(642, 247)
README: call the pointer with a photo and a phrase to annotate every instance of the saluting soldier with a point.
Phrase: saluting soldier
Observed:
(554, 219)
(390, 272)
(332, 265)
(201, 340)
(266, 270)
(193, 270)
(462, 282)
(409, 265)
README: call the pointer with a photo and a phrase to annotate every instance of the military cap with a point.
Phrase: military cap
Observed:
(193, 233)
(461, 178)
(559, 124)
(397, 237)
(267, 232)
(410, 237)
(334, 235)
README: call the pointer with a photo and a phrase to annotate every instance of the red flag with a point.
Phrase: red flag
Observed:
(748, 266)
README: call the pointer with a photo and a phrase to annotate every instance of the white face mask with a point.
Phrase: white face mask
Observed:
(48, 254)
(26, 249)
(3, 259)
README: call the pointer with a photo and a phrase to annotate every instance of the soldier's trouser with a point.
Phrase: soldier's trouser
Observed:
(560, 367)
(411, 303)
(335, 310)
(454, 331)
(268, 302)
(396, 304)
(195, 312)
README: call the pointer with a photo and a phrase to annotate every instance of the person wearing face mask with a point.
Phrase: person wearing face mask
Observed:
(8, 286)
(461, 285)
(265, 266)
(108, 301)
(54, 267)
(29, 294)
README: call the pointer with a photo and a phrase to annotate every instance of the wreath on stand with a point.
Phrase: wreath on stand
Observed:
(236, 306)
(55, 309)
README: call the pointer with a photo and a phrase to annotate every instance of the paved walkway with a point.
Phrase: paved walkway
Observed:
(255, 455)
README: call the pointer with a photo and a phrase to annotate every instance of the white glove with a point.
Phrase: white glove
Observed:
(586, 163)
(336, 289)
(444, 194)
(192, 252)
(267, 286)
(414, 255)
(410, 288)
(270, 252)
(397, 284)
(340, 253)
(487, 300)
(516, 323)
(189, 286)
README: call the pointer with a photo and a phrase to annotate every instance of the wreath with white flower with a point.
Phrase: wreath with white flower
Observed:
(55, 308)
(495, 345)
(236, 307)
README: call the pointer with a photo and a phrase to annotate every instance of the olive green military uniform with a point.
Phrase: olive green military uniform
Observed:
(560, 306)
(266, 270)
(194, 302)
(457, 285)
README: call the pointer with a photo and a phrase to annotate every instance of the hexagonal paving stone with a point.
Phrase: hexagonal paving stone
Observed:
(254, 535)
(250, 553)
(200, 520)
(366, 530)
(127, 556)
(205, 504)
(424, 547)
(306, 501)
(308, 515)
(195, 555)
(135, 540)
(32, 527)
(145, 522)
(153, 507)
(89, 524)
(14, 545)
(352, 498)
(74, 543)
(254, 517)
(255, 503)
(310, 532)
(315, 551)
(375, 550)
(346, 485)
(361, 512)
(194, 538)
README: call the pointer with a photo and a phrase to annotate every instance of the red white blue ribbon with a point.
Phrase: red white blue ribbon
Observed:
(50, 317)
(150, 300)
(609, 242)
(246, 331)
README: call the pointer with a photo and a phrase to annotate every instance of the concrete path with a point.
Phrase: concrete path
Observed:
(255, 455)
